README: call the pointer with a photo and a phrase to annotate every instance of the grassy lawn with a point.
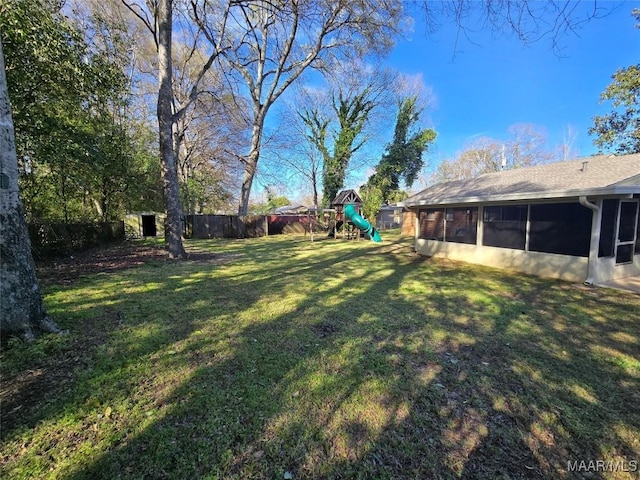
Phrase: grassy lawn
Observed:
(281, 358)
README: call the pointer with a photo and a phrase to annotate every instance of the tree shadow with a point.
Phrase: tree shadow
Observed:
(393, 366)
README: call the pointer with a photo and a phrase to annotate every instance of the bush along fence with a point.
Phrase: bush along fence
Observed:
(50, 240)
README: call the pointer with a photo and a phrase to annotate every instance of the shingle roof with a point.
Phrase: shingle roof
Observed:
(393, 206)
(346, 196)
(290, 209)
(599, 175)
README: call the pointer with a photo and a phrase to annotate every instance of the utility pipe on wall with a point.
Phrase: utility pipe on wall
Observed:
(595, 238)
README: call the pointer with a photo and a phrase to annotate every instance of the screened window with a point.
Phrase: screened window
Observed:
(432, 224)
(563, 228)
(505, 226)
(637, 248)
(627, 229)
(462, 225)
(608, 228)
(624, 253)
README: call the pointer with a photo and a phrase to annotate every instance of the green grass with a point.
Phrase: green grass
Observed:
(331, 359)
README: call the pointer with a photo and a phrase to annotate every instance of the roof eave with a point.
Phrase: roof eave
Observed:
(526, 196)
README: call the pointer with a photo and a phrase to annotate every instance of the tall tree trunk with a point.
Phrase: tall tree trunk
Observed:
(251, 165)
(21, 309)
(173, 223)
(314, 183)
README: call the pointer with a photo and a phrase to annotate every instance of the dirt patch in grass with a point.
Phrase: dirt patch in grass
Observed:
(115, 257)
(324, 330)
(120, 256)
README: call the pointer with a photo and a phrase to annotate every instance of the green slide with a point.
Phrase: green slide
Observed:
(352, 215)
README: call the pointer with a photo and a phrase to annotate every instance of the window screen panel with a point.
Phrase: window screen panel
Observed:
(432, 224)
(624, 253)
(562, 228)
(505, 226)
(627, 228)
(637, 249)
(608, 228)
(462, 225)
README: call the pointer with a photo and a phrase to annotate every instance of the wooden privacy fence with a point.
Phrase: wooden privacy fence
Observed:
(55, 239)
(292, 224)
(226, 226)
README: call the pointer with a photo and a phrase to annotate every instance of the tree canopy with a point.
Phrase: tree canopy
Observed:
(527, 146)
(619, 130)
(266, 46)
(403, 158)
(86, 147)
(351, 114)
(75, 142)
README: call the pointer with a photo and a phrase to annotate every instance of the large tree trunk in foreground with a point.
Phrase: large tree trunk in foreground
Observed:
(173, 223)
(21, 310)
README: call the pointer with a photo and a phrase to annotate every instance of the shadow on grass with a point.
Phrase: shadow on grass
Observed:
(355, 361)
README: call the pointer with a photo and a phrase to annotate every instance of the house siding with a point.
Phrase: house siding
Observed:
(607, 269)
(548, 265)
(409, 222)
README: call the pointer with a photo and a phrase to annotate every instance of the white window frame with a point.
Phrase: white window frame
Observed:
(635, 230)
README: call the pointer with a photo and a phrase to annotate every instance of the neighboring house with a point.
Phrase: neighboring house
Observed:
(576, 220)
(389, 216)
(291, 210)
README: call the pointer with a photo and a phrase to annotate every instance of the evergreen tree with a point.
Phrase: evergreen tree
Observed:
(403, 157)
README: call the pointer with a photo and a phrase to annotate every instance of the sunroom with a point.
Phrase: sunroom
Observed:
(576, 220)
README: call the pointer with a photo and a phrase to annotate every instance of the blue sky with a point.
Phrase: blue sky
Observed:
(482, 88)
(484, 85)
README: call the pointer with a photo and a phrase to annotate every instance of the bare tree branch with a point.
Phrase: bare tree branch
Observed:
(530, 21)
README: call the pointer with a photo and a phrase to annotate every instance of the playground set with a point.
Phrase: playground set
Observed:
(346, 218)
